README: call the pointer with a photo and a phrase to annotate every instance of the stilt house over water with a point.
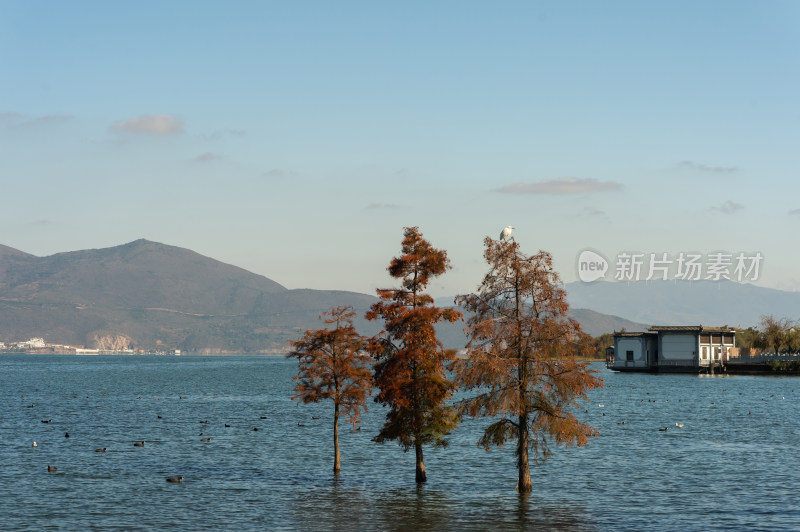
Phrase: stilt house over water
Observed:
(691, 349)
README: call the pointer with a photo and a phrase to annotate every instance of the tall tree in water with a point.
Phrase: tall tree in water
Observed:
(411, 363)
(334, 364)
(521, 357)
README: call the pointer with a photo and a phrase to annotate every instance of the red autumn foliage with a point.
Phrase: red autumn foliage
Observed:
(411, 363)
(522, 348)
(333, 364)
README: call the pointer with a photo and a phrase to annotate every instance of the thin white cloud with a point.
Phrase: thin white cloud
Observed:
(207, 157)
(729, 207)
(794, 212)
(374, 206)
(691, 165)
(587, 212)
(44, 121)
(592, 211)
(277, 173)
(566, 185)
(52, 119)
(10, 115)
(227, 132)
(152, 125)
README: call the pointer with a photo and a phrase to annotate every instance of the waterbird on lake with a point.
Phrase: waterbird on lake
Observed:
(175, 480)
(100, 450)
(47, 421)
(205, 439)
(66, 434)
(52, 468)
(263, 417)
(227, 426)
(679, 425)
(35, 444)
(139, 444)
(664, 429)
(506, 232)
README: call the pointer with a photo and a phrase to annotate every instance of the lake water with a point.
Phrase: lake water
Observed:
(734, 464)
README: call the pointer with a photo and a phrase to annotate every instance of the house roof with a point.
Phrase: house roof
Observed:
(692, 328)
(654, 330)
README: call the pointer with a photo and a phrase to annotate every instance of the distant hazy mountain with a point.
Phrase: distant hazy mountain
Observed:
(685, 303)
(150, 295)
(6, 251)
(597, 323)
(147, 294)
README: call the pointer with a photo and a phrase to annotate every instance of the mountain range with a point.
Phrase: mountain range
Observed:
(150, 295)
(686, 302)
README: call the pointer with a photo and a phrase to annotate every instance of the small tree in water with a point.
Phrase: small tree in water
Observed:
(333, 364)
(410, 361)
(521, 357)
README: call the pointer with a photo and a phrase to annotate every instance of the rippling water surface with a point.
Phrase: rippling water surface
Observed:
(733, 465)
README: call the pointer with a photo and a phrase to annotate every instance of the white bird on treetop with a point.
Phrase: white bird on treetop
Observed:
(506, 232)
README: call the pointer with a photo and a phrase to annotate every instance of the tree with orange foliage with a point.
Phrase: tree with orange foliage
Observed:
(521, 357)
(333, 364)
(411, 363)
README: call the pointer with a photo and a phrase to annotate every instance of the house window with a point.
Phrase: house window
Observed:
(727, 339)
(704, 339)
(629, 356)
(716, 339)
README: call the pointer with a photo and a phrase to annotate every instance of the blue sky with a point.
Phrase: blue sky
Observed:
(297, 139)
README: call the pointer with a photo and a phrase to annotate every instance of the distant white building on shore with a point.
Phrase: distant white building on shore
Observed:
(33, 343)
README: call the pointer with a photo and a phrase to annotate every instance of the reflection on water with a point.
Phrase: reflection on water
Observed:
(268, 461)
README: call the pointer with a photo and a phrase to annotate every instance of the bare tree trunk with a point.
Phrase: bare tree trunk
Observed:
(524, 484)
(337, 460)
(421, 476)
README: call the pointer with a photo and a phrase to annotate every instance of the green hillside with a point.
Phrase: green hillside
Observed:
(151, 295)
